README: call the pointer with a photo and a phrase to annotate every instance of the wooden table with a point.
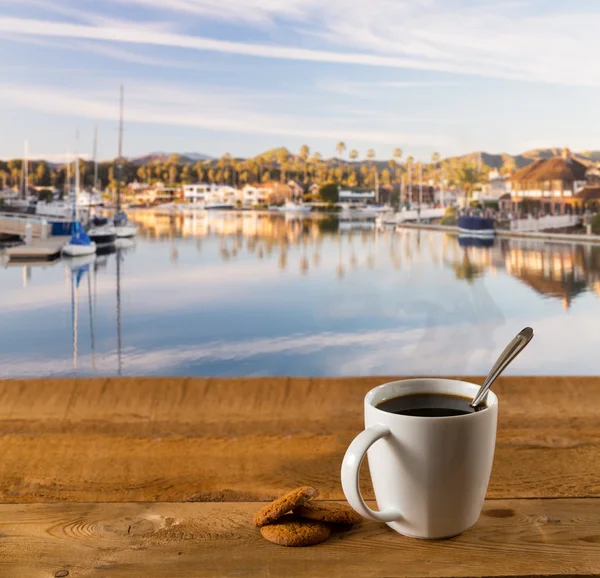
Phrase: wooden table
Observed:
(160, 477)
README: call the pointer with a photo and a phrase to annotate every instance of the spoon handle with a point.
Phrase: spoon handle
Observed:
(506, 357)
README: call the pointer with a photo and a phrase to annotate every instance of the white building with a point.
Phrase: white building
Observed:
(252, 196)
(497, 187)
(210, 193)
(346, 196)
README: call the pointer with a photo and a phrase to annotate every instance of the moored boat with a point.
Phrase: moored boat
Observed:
(291, 207)
(476, 226)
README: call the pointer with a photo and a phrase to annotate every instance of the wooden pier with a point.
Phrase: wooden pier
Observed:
(37, 250)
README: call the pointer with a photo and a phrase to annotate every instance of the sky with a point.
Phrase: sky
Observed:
(244, 76)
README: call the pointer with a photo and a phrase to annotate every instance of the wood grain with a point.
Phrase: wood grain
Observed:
(174, 439)
(513, 537)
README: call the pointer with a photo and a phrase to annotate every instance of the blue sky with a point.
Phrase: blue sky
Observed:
(242, 76)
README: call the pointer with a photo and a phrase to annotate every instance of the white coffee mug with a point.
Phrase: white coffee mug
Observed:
(430, 474)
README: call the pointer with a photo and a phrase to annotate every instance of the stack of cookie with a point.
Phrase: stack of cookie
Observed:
(295, 520)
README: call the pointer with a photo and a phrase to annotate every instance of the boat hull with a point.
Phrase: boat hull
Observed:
(103, 235)
(476, 227)
(71, 250)
(103, 238)
(125, 231)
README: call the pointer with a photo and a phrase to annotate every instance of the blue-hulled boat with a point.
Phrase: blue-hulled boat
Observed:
(476, 226)
(79, 244)
(470, 241)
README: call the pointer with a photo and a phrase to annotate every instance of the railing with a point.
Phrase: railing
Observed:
(27, 226)
(532, 224)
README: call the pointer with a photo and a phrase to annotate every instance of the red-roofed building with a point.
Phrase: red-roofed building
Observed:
(550, 185)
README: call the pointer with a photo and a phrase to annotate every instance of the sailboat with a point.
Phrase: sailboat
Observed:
(124, 228)
(99, 229)
(79, 244)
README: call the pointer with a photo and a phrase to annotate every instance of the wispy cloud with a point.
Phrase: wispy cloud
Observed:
(203, 106)
(514, 40)
(141, 36)
(370, 89)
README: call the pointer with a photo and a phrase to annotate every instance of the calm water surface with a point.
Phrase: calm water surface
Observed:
(250, 294)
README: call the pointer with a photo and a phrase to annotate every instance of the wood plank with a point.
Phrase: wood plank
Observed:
(513, 537)
(176, 439)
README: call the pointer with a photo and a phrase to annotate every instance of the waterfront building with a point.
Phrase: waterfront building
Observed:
(207, 193)
(349, 196)
(498, 186)
(549, 185)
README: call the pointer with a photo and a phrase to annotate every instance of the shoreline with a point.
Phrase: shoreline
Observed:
(558, 237)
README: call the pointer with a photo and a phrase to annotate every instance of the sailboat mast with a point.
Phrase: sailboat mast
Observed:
(95, 157)
(68, 173)
(120, 159)
(76, 187)
(25, 170)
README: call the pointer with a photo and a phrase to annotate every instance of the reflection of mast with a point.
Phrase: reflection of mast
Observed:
(119, 312)
(91, 321)
(74, 315)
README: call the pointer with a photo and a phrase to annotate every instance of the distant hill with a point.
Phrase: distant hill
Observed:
(501, 161)
(184, 158)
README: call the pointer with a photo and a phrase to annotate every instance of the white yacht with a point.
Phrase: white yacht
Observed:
(291, 207)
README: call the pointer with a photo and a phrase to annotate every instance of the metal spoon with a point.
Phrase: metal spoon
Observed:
(506, 357)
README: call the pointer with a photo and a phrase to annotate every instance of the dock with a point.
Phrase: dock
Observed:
(37, 250)
(543, 236)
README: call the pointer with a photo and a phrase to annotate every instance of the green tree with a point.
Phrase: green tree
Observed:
(186, 175)
(466, 177)
(42, 176)
(329, 193)
(173, 174)
(199, 170)
(142, 174)
(304, 155)
(282, 159)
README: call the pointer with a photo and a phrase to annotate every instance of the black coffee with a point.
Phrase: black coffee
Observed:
(429, 405)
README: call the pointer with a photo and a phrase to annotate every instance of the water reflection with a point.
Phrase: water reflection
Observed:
(558, 270)
(247, 293)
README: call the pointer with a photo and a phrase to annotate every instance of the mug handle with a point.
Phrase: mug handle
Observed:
(355, 454)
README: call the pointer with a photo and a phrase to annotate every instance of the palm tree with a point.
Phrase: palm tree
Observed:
(353, 154)
(340, 148)
(409, 164)
(466, 176)
(435, 159)
(316, 159)
(304, 154)
(371, 156)
(397, 155)
(282, 159)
